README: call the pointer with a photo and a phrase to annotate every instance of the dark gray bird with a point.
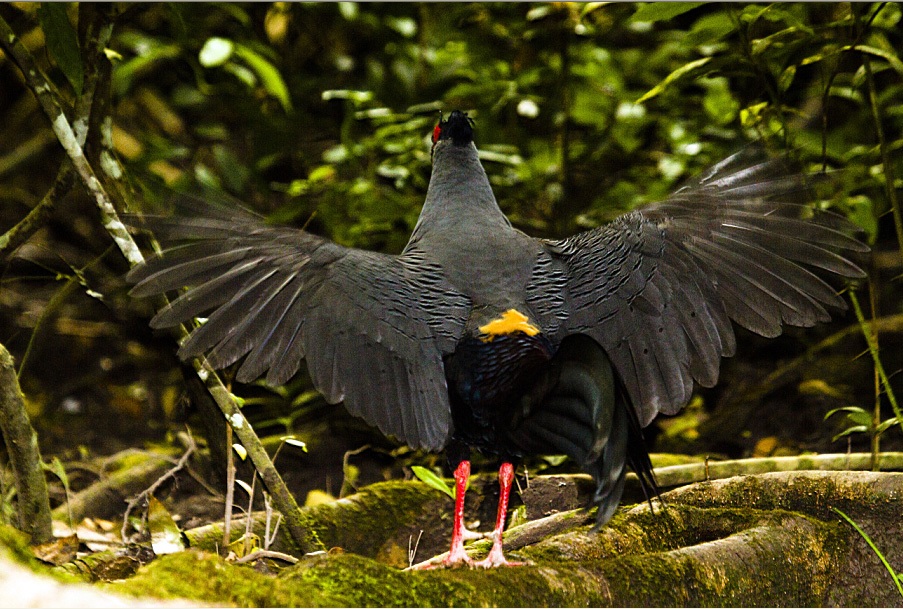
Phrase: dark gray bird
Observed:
(479, 336)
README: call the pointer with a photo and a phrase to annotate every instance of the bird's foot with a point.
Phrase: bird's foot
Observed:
(454, 558)
(492, 561)
(496, 557)
(457, 556)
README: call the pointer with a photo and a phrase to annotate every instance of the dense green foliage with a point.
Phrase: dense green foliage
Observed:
(554, 89)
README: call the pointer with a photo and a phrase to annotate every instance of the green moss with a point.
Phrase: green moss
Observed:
(642, 557)
(798, 574)
(369, 523)
(351, 580)
(130, 459)
(669, 459)
(375, 522)
(808, 492)
(205, 577)
(640, 532)
(16, 544)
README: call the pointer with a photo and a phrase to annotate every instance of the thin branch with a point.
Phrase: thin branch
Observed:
(43, 90)
(871, 340)
(256, 554)
(677, 475)
(37, 217)
(230, 490)
(346, 481)
(192, 447)
(283, 499)
(24, 456)
(412, 552)
(50, 309)
(269, 537)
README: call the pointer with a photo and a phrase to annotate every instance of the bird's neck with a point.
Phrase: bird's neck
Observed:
(459, 197)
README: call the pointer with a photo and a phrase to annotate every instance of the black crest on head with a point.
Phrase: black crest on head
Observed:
(458, 127)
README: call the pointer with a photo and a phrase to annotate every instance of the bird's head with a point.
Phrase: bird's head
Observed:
(457, 128)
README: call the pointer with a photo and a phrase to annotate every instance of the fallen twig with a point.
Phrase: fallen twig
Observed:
(192, 447)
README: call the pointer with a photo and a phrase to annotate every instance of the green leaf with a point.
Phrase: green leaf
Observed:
(539, 12)
(268, 73)
(709, 29)
(718, 102)
(126, 72)
(166, 538)
(56, 468)
(305, 397)
(216, 52)
(895, 62)
(358, 97)
(662, 11)
(670, 78)
(321, 173)
(432, 480)
(348, 10)
(885, 425)
(854, 413)
(245, 486)
(554, 460)
(590, 7)
(405, 26)
(850, 430)
(861, 418)
(787, 77)
(293, 441)
(62, 42)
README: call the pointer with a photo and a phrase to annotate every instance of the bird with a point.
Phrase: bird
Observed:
(480, 337)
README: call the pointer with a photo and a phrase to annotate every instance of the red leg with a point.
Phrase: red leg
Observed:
(457, 555)
(496, 557)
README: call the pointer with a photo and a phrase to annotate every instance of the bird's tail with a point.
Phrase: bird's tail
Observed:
(581, 411)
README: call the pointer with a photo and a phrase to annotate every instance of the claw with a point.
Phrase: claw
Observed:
(497, 559)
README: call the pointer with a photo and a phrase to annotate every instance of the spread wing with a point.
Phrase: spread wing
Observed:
(372, 327)
(657, 287)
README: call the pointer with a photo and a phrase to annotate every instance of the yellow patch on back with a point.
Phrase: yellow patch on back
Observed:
(510, 322)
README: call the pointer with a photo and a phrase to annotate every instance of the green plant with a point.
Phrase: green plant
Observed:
(861, 421)
(896, 577)
(429, 478)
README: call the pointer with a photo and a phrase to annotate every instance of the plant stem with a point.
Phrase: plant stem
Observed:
(873, 350)
(24, 456)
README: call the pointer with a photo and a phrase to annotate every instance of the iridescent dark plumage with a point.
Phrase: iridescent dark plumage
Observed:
(478, 335)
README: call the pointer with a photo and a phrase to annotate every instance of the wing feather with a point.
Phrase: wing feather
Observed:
(373, 328)
(658, 286)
